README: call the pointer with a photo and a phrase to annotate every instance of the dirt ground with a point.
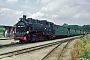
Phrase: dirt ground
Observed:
(69, 53)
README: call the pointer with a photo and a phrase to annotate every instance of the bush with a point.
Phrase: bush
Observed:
(83, 47)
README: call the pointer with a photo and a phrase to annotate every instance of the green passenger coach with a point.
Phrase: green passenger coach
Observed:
(67, 31)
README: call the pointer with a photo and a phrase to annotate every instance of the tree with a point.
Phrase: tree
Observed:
(65, 25)
(86, 28)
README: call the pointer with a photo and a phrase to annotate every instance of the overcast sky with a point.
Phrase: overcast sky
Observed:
(57, 11)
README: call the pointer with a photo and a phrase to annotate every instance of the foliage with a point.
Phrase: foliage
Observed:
(14, 25)
(65, 25)
(2, 29)
(75, 26)
(85, 54)
(83, 47)
(86, 28)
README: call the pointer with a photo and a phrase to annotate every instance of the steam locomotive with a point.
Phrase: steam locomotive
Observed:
(33, 30)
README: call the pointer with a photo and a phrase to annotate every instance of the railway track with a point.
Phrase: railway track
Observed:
(24, 50)
(56, 52)
(9, 54)
(12, 44)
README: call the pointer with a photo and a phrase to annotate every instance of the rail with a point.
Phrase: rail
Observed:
(17, 52)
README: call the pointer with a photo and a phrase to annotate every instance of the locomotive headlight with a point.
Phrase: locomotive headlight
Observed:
(20, 26)
(45, 28)
(27, 32)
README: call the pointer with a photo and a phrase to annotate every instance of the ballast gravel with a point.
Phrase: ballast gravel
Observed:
(34, 55)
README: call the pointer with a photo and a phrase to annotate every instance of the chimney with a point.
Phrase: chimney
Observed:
(24, 17)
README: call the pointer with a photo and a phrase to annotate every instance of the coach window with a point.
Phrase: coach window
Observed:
(80, 31)
(75, 30)
(69, 30)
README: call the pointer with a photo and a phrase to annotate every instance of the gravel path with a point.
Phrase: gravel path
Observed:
(39, 54)
(14, 48)
(4, 42)
(55, 54)
(67, 53)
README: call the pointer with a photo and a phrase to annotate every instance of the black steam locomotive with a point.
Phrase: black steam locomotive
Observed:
(32, 30)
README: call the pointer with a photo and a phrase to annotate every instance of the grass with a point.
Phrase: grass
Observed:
(2, 29)
(0, 44)
(12, 43)
(1, 35)
(82, 48)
